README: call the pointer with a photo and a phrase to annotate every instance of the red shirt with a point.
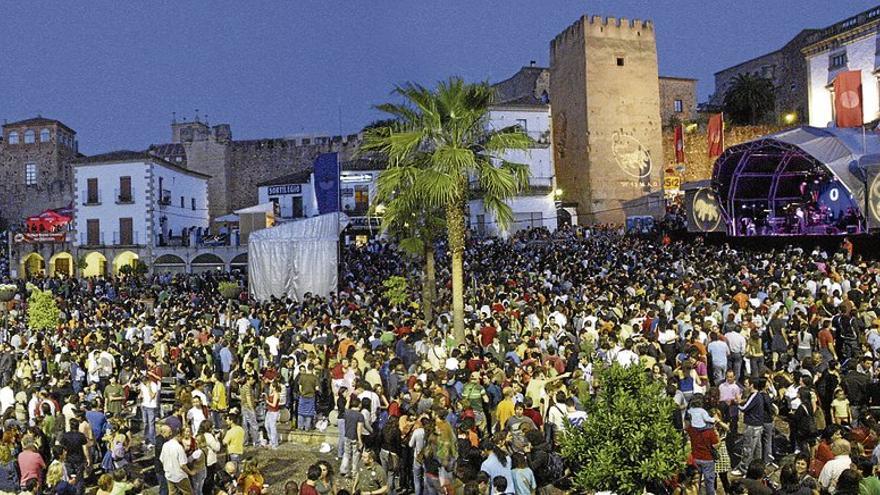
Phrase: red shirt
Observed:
(307, 489)
(826, 339)
(535, 416)
(31, 466)
(702, 442)
(487, 335)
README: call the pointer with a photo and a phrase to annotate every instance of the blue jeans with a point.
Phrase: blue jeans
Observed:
(340, 444)
(751, 445)
(251, 426)
(305, 422)
(272, 427)
(149, 417)
(707, 471)
(418, 473)
(163, 483)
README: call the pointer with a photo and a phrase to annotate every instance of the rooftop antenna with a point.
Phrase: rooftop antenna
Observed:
(206, 119)
(173, 117)
(197, 115)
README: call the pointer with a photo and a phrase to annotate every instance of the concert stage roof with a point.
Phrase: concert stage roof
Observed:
(803, 181)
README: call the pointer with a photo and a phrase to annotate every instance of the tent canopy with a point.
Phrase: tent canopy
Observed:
(294, 258)
(47, 220)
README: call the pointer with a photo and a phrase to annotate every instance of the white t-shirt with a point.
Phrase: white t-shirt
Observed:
(173, 457)
(195, 416)
(148, 389)
(7, 399)
(272, 342)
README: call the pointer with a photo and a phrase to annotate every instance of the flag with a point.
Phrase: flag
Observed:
(716, 134)
(327, 182)
(848, 99)
(679, 143)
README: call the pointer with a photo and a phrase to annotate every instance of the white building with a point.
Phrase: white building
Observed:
(129, 203)
(534, 207)
(849, 45)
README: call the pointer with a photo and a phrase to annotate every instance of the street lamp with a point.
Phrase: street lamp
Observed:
(557, 194)
(790, 117)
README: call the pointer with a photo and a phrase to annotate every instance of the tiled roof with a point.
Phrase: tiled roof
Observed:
(523, 101)
(169, 152)
(133, 156)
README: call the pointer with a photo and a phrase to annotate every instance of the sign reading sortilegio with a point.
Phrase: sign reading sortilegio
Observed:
(285, 189)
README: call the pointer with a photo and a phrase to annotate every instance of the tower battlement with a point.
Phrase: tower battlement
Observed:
(605, 27)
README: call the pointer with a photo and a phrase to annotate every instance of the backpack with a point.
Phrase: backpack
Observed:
(553, 471)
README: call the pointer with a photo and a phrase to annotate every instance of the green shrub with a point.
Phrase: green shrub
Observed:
(628, 439)
(43, 313)
(396, 290)
(228, 289)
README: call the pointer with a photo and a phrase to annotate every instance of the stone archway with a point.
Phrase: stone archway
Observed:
(125, 258)
(61, 264)
(32, 265)
(207, 262)
(96, 265)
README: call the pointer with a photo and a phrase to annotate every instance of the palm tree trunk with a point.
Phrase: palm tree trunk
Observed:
(455, 226)
(429, 283)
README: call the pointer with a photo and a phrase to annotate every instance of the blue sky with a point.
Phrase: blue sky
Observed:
(115, 70)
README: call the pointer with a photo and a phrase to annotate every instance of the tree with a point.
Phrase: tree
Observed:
(396, 290)
(415, 227)
(749, 99)
(628, 440)
(42, 310)
(438, 142)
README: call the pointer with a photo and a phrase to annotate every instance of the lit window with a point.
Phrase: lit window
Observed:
(13, 137)
(679, 106)
(44, 136)
(29, 136)
(30, 174)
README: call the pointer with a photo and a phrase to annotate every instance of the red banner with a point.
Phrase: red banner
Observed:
(848, 99)
(36, 237)
(679, 143)
(715, 134)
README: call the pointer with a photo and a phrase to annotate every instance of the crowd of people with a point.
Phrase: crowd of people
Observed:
(770, 356)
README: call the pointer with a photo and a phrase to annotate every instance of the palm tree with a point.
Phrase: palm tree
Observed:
(440, 144)
(749, 99)
(415, 227)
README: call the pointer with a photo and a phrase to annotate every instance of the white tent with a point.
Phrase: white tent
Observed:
(291, 259)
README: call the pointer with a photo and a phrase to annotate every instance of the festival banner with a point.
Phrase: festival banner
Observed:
(679, 143)
(327, 182)
(848, 99)
(715, 134)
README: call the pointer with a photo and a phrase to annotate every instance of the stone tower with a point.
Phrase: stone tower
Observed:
(606, 118)
(207, 150)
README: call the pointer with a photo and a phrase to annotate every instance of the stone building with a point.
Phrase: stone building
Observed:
(606, 118)
(236, 167)
(529, 82)
(785, 67)
(35, 157)
(678, 100)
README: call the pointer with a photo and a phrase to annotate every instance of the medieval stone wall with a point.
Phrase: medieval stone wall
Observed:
(672, 89)
(54, 184)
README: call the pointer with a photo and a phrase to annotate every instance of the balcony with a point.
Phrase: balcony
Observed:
(539, 139)
(537, 186)
(93, 198)
(91, 241)
(126, 238)
(124, 197)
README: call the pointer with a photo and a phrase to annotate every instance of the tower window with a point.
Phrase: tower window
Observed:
(30, 174)
(44, 136)
(620, 61)
(29, 136)
(13, 137)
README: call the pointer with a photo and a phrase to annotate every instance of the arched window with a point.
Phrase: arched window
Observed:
(44, 136)
(13, 137)
(29, 136)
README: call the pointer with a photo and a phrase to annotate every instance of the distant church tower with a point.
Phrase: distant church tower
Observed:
(606, 118)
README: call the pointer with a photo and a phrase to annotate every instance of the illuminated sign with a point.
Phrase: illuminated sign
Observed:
(285, 189)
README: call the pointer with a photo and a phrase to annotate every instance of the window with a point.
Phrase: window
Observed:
(679, 106)
(126, 233)
(193, 203)
(852, 21)
(44, 136)
(874, 13)
(837, 61)
(30, 174)
(93, 232)
(29, 136)
(13, 137)
(125, 190)
(620, 61)
(92, 191)
(523, 124)
(361, 198)
(297, 206)
(181, 202)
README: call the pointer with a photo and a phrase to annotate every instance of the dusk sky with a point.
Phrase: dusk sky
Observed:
(115, 70)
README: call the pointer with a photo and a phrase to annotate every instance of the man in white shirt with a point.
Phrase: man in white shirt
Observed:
(149, 395)
(626, 357)
(173, 459)
(195, 415)
(833, 468)
(737, 344)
